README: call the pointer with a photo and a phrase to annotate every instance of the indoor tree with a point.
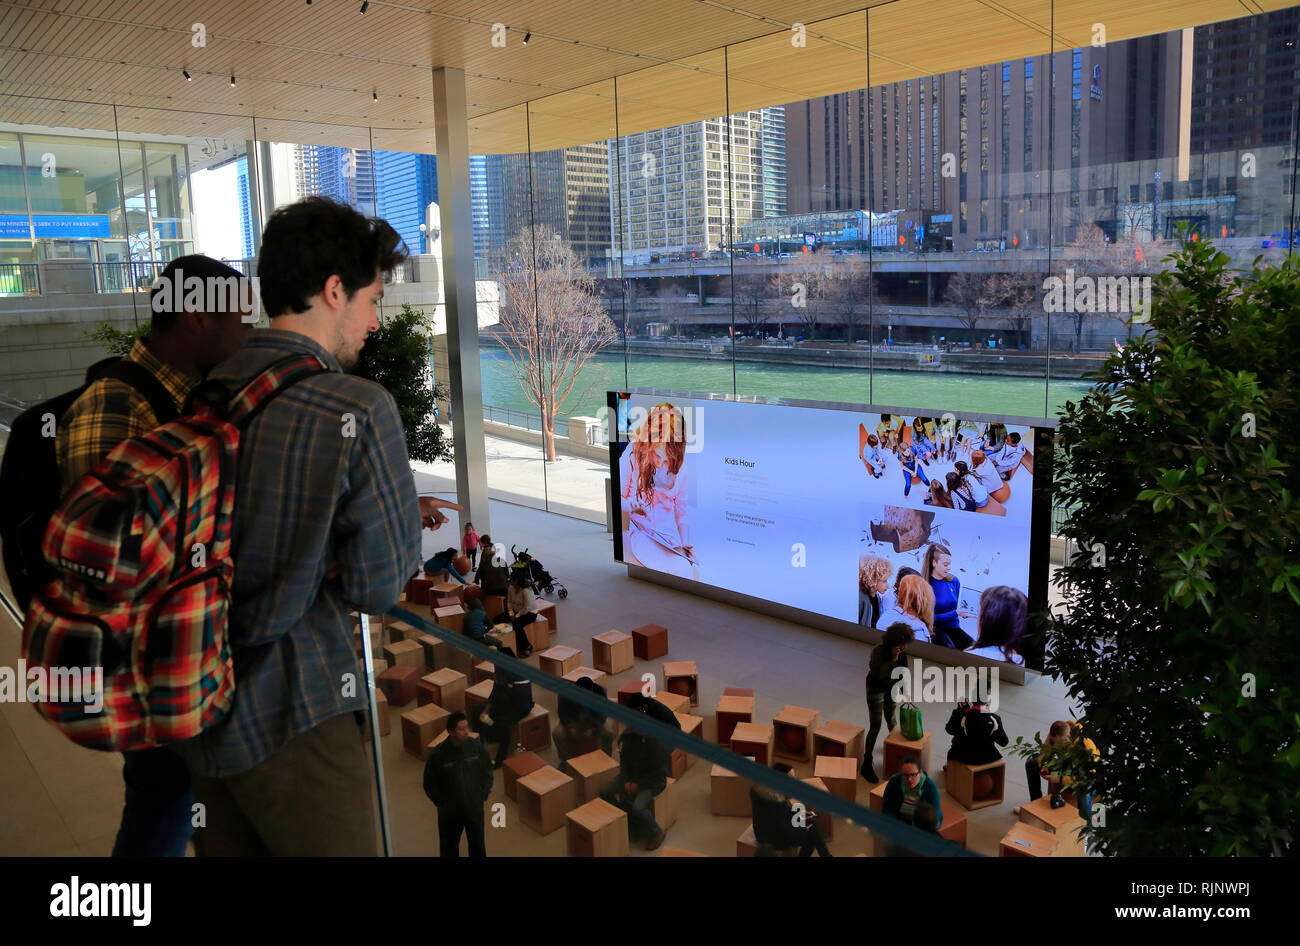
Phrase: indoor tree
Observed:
(1179, 639)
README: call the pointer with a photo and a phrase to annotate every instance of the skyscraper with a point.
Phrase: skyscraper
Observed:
(406, 184)
(570, 195)
(245, 209)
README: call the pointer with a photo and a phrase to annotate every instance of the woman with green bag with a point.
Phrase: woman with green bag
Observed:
(885, 657)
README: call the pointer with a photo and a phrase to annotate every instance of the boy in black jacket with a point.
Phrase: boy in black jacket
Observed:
(458, 780)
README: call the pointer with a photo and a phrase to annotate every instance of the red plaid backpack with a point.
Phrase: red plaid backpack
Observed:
(137, 611)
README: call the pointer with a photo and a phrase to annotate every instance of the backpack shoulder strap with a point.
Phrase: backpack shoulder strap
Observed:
(146, 383)
(269, 384)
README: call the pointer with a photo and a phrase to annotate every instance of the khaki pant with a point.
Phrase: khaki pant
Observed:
(313, 798)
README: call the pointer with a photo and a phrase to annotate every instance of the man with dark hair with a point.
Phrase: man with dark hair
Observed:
(326, 521)
(185, 342)
(643, 768)
(458, 780)
(581, 730)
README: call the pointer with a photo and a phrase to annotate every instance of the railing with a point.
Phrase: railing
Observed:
(20, 279)
(140, 275)
(528, 420)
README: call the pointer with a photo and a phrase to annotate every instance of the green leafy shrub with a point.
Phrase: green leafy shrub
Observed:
(397, 356)
(1184, 596)
(117, 341)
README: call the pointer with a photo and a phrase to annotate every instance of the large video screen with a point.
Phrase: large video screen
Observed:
(928, 519)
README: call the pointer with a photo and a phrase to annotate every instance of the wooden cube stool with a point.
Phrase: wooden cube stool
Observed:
(444, 687)
(405, 654)
(437, 653)
(674, 701)
(516, 767)
(730, 711)
(381, 706)
(897, 749)
(753, 739)
(681, 677)
(535, 729)
(664, 805)
(729, 793)
(1027, 841)
(650, 641)
(825, 823)
(669, 851)
(546, 609)
(681, 759)
(544, 798)
(483, 670)
(612, 651)
(573, 676)
(539, 633)
(420, 725)
(838, 738)
(417, 590)
(378, 665)
(445, 589)
(590, 772)
(436, 741)
(1062, 822)
(397, 631)
(747, 845)
(559, 660)
(597, 829)
(960, 783)
(462, 661)
(840, 775)
(493, 605)
(738, 691)
(627, 689)
(435, 603)
(477, 696)
(452, 618)
(793, 729)
(504, 636)
(398, 684)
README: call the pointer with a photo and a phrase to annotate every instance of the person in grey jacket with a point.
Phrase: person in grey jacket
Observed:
(458, 780)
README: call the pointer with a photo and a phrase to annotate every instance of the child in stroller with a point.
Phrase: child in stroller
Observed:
(542, 581)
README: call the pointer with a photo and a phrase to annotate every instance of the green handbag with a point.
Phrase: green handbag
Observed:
(909, 720)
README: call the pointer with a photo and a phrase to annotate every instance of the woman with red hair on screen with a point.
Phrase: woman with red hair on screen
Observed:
(654, 494)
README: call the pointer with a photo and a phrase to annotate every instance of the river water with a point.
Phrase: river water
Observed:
(932, 392)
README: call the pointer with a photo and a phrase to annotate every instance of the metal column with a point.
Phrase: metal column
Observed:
(451, 129)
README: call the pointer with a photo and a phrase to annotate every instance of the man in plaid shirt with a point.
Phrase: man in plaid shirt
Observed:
(326, 521)
(181, 348)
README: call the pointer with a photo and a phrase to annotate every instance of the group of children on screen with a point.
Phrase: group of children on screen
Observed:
(930, 603)
(983, 460)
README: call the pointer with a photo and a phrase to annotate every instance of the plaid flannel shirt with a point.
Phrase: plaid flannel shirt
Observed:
(110, 411)
(324, 481)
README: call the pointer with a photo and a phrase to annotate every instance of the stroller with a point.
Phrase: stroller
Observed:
(542, 581)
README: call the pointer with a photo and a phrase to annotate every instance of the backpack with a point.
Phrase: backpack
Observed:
(140, 600)
(31, 470)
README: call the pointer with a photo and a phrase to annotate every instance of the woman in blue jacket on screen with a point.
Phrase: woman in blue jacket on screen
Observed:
(936, 569)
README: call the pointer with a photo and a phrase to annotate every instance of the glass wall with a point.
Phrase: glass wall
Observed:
(912, 241)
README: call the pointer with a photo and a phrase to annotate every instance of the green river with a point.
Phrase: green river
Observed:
(935, 392)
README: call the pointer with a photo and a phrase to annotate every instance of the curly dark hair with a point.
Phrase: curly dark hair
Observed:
(306, 243)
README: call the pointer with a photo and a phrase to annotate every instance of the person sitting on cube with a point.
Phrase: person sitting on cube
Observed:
(775, 821)
(510, 702)
(907, 789)
(581, 730)
(644, 765)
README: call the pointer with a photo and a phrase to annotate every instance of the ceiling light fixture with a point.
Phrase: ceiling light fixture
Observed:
(374, 96)
(527, 37)
(186, 74)
(365, 6)
(232, 80)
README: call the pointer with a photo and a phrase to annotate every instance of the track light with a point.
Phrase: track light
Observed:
(374, 96)
(365, 6)
(232, 80)
(527, 37)
(186, 74)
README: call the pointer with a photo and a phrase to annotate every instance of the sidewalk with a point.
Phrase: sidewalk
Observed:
(516, 473)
